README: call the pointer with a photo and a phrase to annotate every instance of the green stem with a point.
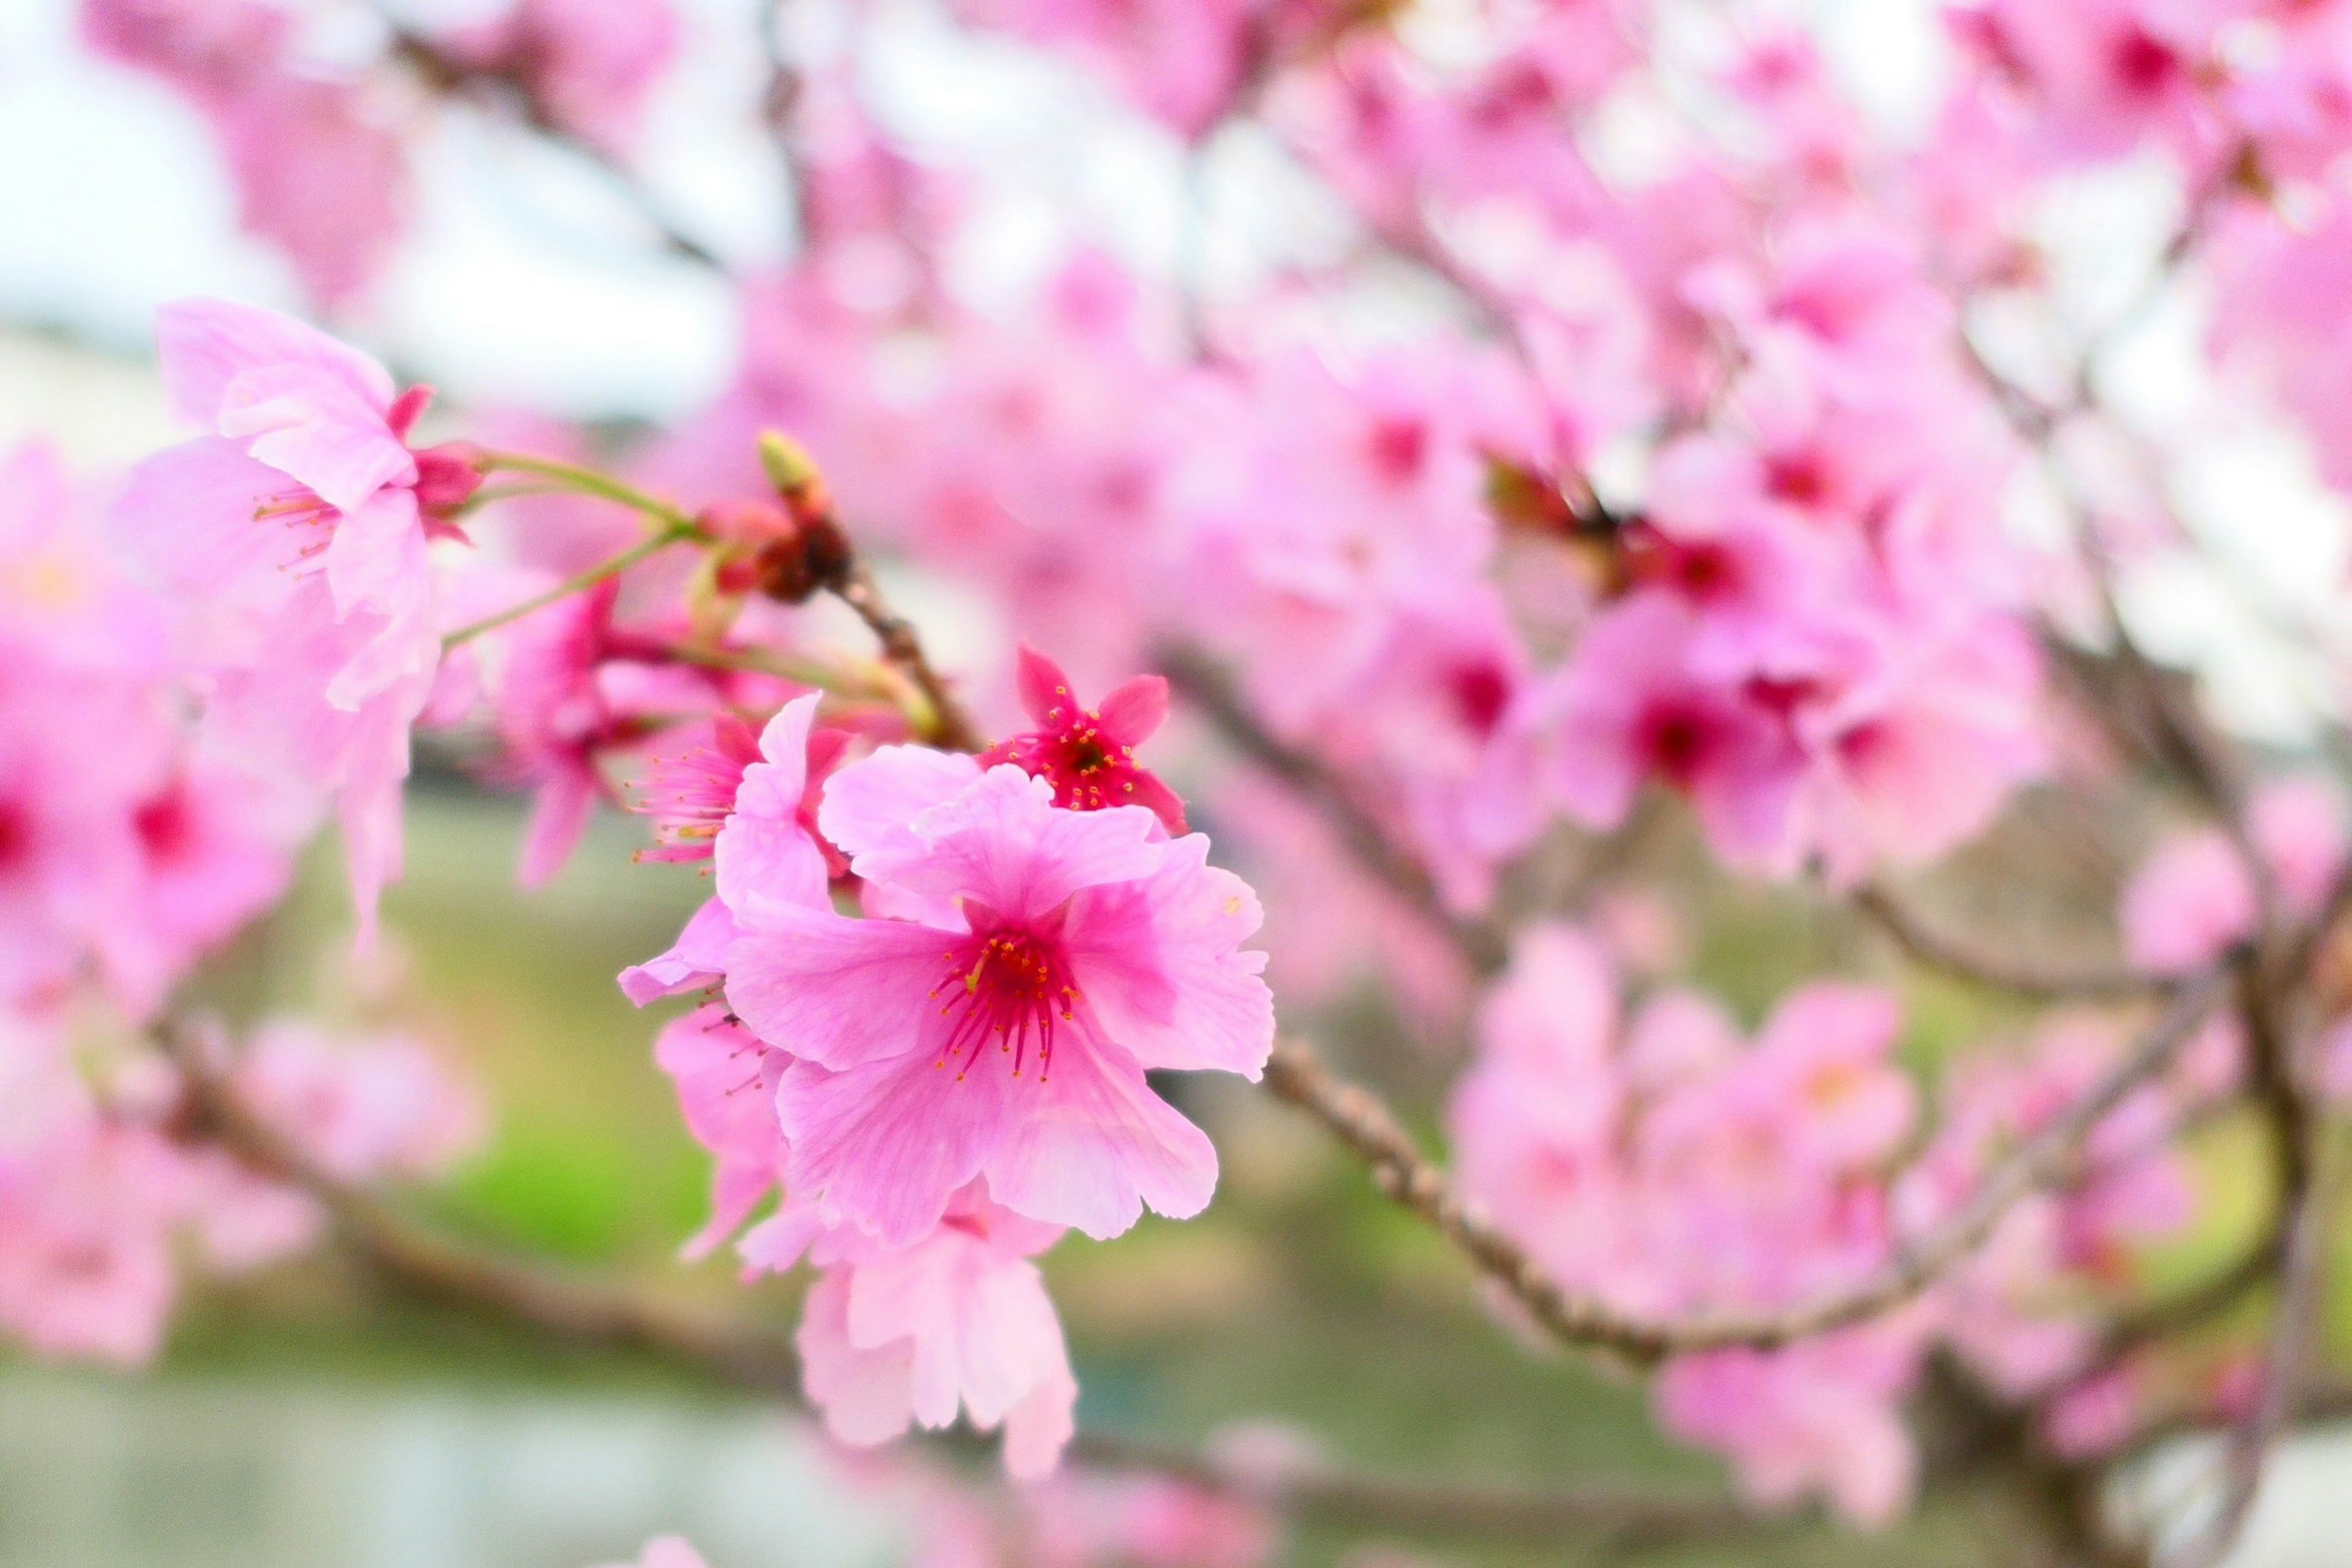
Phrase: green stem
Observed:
(587, 481)
(579, 581)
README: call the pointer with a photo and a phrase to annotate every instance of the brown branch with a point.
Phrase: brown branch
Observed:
(573, 1307)
(1934, 949)
(1483, 946)
(502, 92)
(951, 726)
(1365, 1125)
(583, 1309)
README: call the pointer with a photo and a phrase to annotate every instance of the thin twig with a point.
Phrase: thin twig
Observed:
(454, 78)
(949, 725)
(1934, 949)
(578, 583)
(571, 1306)
(1365, 1125)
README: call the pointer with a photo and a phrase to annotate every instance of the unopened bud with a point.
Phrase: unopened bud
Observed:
(790, 468)
(447, 478)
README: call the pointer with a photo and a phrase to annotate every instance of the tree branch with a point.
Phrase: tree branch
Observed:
(1933, 950)
(1365, 1125)
(583, 1309)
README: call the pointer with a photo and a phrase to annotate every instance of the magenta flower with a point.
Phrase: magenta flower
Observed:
(293, 537)
(1005, 1030)
(1088, 755)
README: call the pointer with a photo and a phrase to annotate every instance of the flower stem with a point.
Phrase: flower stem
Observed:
(579, 581)
(587, 481)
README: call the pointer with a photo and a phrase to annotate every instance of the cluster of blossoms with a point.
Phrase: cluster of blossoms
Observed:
(1697, 483)
(133, 846)
(1671, 1169)
(947, 1082)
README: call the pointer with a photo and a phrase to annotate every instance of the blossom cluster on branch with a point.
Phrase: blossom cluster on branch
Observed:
(1693, 506)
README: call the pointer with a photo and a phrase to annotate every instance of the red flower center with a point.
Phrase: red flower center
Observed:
(1008, 985)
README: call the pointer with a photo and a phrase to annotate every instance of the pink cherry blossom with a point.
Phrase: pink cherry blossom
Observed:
(2192, 899)
(294, 538)
(1822, 1414)
(1074, 949)
(319, 173)
(764, 843)
(1088, 754)
(364, 1109)
(1628, 708)
(892, 1337)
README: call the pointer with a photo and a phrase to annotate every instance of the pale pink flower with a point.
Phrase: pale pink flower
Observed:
(1828, 1048)
(665, 1551)
(2192, 898)
(292, 539)
(2098, 75)
(88, 1217)
(958, 1319)
(2187, 903)
(1006, 1029)
(366, 1109)
(1535, 1120)
(1821, 1414)
(318, 173)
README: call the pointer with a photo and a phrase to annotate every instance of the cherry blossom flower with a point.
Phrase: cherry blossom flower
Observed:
(1074, 949)
(891, 1336)
(293, 537)
(1088, 754)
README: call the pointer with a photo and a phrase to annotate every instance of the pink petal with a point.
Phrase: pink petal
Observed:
(699, 958)
(376, 557)
(559, 810)
(1043, 687)
(885, 1144)
(1037, 1429)
(308, 425)
(1158, 962)
(1096, 1144)
(866, 1395)
(870, 803)
(835, 991)
(1002, 843)
(1131, 714)
(185, 518)
(205, 344)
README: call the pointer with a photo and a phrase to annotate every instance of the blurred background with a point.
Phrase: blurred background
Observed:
(304, 1418)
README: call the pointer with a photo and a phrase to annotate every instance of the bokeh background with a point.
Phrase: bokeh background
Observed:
(304, 1418)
